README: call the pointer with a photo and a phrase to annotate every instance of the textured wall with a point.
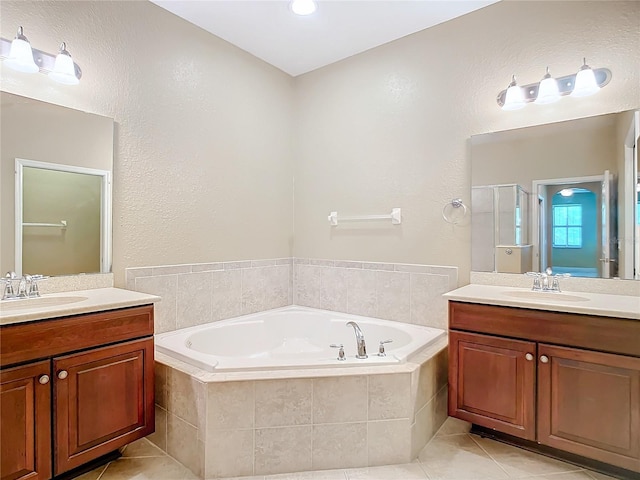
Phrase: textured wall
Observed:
(204, 131)
(391, 127)
(202, 167)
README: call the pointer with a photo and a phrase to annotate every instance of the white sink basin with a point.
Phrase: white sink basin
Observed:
(40, 302)
(547, 296)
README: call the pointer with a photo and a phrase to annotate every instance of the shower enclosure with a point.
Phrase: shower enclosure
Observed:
(500, 229)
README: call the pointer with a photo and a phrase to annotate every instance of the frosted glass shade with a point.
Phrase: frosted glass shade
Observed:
(303, 7)
(514, 98)
(548, 91)
(63, 70)
(585, 83)
(21, 57)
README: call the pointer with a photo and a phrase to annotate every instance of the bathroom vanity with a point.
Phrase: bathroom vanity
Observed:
(561, 373)
(76, 379)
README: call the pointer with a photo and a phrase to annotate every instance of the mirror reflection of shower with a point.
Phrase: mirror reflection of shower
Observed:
(500, 225)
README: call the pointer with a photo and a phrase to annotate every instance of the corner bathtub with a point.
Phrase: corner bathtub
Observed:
(292, 337)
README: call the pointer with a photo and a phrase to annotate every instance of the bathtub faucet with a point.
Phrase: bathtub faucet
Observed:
(362, 346)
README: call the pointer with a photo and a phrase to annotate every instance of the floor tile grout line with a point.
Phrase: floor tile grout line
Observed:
(103, 470)
(490, 456)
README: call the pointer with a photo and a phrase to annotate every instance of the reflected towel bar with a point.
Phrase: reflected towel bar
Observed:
(62, 224)
(395, 217)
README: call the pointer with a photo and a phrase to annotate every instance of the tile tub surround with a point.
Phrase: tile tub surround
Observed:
(193, 294)
(261, 423)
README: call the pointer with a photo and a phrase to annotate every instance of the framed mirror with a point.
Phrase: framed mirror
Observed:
(562, 195)
(56, 167)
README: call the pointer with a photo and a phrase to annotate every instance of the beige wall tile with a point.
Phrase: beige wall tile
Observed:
(132, 273)
(160, 384)
(282, 449)
(333, 290)
(226, 294)
(229, 453)
(184, 446)
(194, 299)
(254, 285)
(428, 307)
(339, 445)
(393, 296)
(159, 437)
(283, 402)
(277, 286)
(361, 292)
(170, 269)
(429, 379)
(307, 285)
(164, 311)
(389, 396)
(186, 398)
(389, 442)
(230, 405)
(339, 399)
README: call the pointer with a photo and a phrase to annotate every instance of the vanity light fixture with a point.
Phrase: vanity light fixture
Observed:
(548, 90)
(303, 7)
(18, 55)
(63, 68)
(586, 81)
(514, 98)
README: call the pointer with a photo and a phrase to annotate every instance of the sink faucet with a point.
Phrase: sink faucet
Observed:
(547, 281)
(362, 346)
(27, 286)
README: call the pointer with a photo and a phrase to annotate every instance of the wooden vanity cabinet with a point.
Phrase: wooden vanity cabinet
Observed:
(98, 395)
(566, 381)
(494, 381)
(25, 420)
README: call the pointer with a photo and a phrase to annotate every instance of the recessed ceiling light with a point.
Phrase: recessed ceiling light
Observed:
(567, 192)
(303, 7)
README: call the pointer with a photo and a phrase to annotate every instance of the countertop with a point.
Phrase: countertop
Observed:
(70, 303)
(619, 306)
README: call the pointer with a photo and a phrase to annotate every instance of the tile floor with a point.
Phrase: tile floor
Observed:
(453, 454)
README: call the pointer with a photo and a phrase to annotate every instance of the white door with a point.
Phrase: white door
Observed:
(606, 257)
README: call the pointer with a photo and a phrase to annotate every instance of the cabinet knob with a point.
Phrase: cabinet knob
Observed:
(529, 357)
(544, 359)
(44, 379)
(62, 374)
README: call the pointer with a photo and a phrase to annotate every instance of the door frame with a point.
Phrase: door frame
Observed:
(535, 209)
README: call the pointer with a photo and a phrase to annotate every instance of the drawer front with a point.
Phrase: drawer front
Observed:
(607, 334)
(44, 339)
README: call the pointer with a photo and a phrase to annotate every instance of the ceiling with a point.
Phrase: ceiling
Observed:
(337, 30)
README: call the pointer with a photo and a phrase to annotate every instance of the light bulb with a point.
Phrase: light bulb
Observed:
(566, 192)
(63, 69)
(20, 55)
(585, 81)
(548, 90)
(303, 7)
(514, 98)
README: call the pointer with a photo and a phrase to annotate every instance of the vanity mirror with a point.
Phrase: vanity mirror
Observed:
(562, 195)
(56, 166)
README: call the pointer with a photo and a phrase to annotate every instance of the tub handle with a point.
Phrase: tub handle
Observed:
(341, 355)
(381, 352)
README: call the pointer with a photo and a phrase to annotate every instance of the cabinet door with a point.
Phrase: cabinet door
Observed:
(589, 404)
(492, 382)
(25, 422)
(103, 399)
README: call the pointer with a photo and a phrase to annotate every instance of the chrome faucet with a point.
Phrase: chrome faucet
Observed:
(27, 286)
(362, 346)
(547, 281)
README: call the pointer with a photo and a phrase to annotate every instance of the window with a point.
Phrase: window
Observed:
(518, 238)
(567, 226)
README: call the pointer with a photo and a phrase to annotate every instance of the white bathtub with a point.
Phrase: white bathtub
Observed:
(292, 337)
